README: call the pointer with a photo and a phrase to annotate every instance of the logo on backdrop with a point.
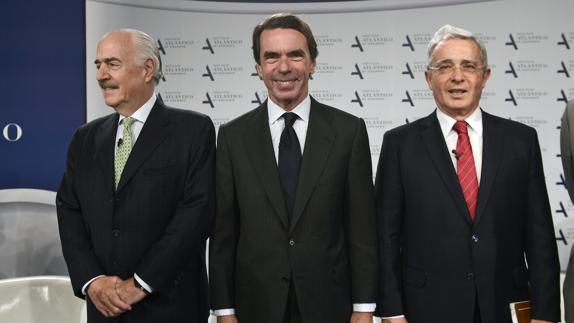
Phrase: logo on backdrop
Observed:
(216, 97)
(416, 40)
(176, 70)
(257, 99)
(511, 42)
(408, 71)
(177, 97)
(511, 70)
(208, 100)
(327, 41)
(208, 46)
(221, 70)
(357, 99)
(208, 73)
(326, 95)
(563, 70)
(357, 72)
(220, 42)
(563, 42)
(525, 37)
(370, 40)
(12, 132)
(357, 44)
(327, 68)
(562, 97)
(173, 43)
(562, 237)
(511, 98)
(408, 99)
(408, 43)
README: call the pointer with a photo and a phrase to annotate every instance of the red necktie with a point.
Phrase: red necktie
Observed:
(466, 170)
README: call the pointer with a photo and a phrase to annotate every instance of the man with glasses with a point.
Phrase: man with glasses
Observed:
(464, 220)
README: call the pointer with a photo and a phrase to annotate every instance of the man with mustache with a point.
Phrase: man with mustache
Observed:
(294, 238)
(464, 220)
(136, 203)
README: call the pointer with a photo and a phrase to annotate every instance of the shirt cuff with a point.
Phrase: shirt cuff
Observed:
(364, 307)
(392, 317)
(89, 282)
(143, 284)
(223, 311)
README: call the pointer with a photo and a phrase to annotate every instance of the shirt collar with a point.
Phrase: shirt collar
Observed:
(143, 112)
(275, 112)
(446, 122)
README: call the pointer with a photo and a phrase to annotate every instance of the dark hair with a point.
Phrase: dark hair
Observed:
(285, 21)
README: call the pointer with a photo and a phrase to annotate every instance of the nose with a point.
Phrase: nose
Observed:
(457, 74)
(102, 73)
(284, 65)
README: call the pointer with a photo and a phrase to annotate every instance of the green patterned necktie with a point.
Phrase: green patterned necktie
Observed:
(124, 149)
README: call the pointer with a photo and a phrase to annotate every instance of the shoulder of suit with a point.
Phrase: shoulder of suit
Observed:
(509, 125)
(183, 113)
(241, 122)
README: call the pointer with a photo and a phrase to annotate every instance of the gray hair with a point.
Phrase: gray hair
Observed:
(146, 48)
(451, 32)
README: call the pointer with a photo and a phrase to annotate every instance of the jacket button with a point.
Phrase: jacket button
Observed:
(116, 233)
(470, 276)
(291, 242)
(474, 237)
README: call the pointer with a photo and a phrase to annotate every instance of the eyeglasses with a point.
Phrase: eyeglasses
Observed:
(467, 68)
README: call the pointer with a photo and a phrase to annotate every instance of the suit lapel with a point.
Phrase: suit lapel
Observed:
(259, 147)
(433, 139)
(320, 138)
(493, 144)
(104, 147)
(154, 131)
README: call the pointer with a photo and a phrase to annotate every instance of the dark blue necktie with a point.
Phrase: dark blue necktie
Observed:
(289, 161)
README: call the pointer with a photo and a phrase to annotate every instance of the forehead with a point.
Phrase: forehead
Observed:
(116, 44)
(456, 49)
(282, 39)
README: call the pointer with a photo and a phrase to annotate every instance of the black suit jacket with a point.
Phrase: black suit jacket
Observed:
(157, 221)
(434, 261)
(327, 250)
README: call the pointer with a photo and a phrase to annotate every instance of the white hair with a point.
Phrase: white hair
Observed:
(449, 32)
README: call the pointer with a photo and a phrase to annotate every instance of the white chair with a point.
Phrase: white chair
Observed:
(40, 299)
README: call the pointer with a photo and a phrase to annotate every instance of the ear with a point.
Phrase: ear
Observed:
(485, 77)
(149, 68)
(258, 69)
(428, 77)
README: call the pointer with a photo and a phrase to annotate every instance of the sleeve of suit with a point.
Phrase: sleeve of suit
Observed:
(389, 198)
(193, 215)
(566, 149)
(360, 220)
(224, 239)
(83, 264)
(541, 249)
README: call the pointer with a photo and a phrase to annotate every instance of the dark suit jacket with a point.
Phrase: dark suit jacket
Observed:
(434, 261)
(327, 250)
(157, 221)
(566, 151)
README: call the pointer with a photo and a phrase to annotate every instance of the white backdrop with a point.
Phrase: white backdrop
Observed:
(371, 61)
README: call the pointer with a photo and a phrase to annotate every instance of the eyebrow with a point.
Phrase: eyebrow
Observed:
(106, 60)
(293, 53)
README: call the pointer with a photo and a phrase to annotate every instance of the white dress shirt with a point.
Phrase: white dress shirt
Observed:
(140, 117)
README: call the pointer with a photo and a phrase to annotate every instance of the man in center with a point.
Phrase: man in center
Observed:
(295, 237)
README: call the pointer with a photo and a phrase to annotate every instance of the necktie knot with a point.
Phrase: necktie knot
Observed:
(128, 122)
(460, 127)
(290, 118)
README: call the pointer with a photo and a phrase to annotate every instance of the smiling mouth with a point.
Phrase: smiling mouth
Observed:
(285, 82)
